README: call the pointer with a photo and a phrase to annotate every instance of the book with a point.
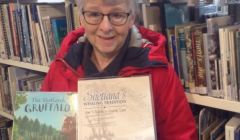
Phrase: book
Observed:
(181, 46)
(56, 10)
(206, 133)
(59, 29)
(231, 126)
(218, 130)
(237, 53)
(44, 115)
(107, 106)
(237, 133)
(199, 59)
(227, 44)
(6, 20)
(176, 14)
(151, 17)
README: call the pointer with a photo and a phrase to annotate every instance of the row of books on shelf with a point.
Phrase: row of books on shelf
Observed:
(217, 125)
(14, 79)
(206, 56)
(31, 33)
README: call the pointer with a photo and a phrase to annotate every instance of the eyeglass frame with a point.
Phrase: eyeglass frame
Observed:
(109, 17)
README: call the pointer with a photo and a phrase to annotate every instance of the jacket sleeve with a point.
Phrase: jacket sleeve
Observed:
(174, 117)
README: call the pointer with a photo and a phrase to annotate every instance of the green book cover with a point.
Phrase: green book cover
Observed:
(44, 116)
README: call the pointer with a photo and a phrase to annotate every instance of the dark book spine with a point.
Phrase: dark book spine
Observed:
(26, 34)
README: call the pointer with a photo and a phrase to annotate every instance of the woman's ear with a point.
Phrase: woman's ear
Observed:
(80, 20)
(132, 19)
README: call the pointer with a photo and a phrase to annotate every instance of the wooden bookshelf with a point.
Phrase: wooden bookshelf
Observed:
(6, 115)
(34, 67)
(218, 103)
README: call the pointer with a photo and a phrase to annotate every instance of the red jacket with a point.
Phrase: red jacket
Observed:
(174, 120)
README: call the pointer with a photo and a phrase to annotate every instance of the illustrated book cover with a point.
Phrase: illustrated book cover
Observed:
(44, 116)
(115, 109)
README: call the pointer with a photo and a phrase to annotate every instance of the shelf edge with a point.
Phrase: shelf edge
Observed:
(34, 67)
(6, 115)
(233, 106)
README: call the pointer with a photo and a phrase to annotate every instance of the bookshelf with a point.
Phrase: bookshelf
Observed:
(217, 103)
(222, 104)
(34, 67)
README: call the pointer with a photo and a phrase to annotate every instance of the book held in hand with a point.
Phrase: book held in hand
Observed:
(44, 116)
(115, 109)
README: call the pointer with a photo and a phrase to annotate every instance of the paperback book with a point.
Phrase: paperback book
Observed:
(44, 115)
(115, 109)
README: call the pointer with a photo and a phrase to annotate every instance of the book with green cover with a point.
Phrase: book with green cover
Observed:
(44, 116)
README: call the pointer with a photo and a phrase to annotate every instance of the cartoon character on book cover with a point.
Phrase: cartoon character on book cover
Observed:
(44, 116)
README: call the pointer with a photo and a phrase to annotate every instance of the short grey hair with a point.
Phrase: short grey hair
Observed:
(133, 5)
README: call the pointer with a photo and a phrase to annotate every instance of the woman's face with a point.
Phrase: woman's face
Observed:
(105, 37)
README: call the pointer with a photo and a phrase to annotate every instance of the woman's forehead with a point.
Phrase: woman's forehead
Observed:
(108, 2)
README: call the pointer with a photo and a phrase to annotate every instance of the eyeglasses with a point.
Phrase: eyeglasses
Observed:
(95, 18)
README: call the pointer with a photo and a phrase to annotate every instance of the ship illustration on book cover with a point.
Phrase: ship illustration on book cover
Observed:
(115, 108)
(44, 116)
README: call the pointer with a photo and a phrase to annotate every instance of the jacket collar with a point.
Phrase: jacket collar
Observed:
(140, 37)
(143, 42)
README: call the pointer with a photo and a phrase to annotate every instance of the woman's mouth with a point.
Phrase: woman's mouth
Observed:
(106, 38)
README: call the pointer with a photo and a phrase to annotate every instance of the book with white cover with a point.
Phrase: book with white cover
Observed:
(116, 109)
(231, 126)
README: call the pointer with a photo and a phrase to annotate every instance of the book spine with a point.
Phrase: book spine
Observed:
(224, 56)
(183, 54)
(207, 60)
(33, 37)
(12, 9)
(232, 65)
(49, 38)
(26, 35)
(5, 47)
(18, 17)
(170, 32)
(175, 55)
(201, 86)
(238, 62)
(8, 31)
(189, 57)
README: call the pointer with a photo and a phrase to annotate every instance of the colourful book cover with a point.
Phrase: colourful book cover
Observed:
(44, 115)
(59, 28)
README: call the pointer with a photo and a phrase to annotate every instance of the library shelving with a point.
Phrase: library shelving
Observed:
(6, 115)
(207, 101)
(213, 102)
(34, 67)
